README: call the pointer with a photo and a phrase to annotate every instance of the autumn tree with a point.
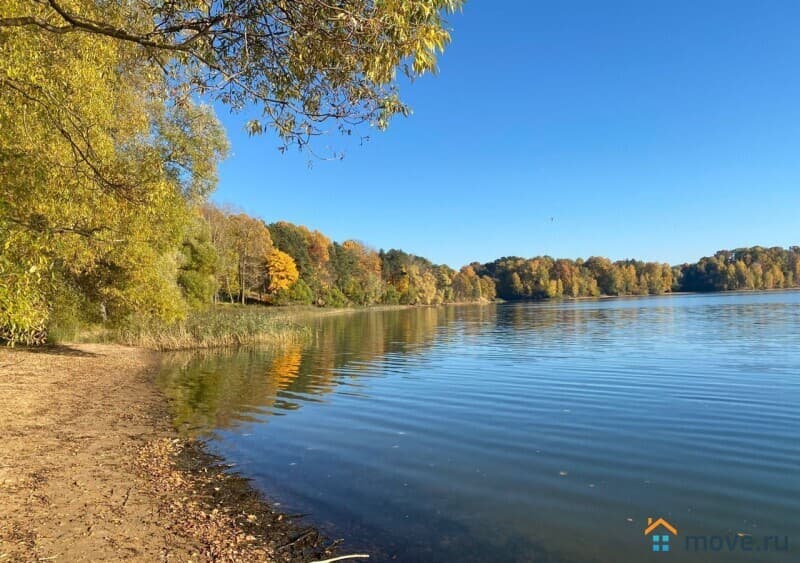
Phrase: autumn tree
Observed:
(467, 285)
(251, 244)
(300, 63)
(488, 288)
(98, 169)
(281, 272)
(358, 272)
(421, 287)
(221, 237)
(310, 251)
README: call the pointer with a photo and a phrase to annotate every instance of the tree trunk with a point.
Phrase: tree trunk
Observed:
(241, 281)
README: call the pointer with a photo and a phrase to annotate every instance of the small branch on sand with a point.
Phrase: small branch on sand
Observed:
(127, 496)
(298, 539)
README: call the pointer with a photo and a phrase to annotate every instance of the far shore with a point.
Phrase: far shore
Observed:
(665, 294)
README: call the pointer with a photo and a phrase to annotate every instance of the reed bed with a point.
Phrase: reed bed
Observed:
(219, 326)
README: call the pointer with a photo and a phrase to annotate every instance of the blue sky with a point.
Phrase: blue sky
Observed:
(661, 130)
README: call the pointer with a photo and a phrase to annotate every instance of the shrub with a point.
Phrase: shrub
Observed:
(333, 297)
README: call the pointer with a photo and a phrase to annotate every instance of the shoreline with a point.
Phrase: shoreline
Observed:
(92, 469)
(230, 326)
(226, 326)
(639, 296)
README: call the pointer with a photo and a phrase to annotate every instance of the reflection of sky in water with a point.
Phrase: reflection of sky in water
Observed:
(520, 432)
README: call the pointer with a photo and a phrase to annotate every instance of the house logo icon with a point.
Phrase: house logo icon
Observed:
(663, 532)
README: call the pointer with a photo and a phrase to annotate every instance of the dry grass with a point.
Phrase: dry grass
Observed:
(220, 326)
(223, 325)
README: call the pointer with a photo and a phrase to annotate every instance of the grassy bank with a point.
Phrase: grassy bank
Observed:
(223, 325)
(217, 327)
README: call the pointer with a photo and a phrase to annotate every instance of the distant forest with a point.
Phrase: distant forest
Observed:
(247, 259)
(544, 277)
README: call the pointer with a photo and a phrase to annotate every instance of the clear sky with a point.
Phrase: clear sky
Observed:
(661, 130)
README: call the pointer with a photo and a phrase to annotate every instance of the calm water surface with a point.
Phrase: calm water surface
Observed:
(543, 432)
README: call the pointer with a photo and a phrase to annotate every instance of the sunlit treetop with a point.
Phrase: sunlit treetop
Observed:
(306, 64)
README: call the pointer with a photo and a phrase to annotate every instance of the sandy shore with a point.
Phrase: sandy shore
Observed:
(91, 470)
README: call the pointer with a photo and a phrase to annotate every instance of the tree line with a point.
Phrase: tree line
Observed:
(238, 258)
(744, 268)
(232, 257)
(545, 277)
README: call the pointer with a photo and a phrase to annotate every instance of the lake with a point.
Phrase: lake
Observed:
(543, 432)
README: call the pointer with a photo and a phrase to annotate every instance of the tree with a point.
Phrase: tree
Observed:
(422, 287)
(310, 251)
(444, 283)
(281, 271)
(357, 272)
(516, 287)
(302, 62)
(222, 238)
(298, 293)
(251, 245)
(98, 170)
(198, 267)
(488, 290)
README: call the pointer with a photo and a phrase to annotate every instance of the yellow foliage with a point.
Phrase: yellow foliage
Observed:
(281, 271)
(97, 168)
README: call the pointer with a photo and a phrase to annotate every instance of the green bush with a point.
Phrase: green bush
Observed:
(71, 314)
(333, 297)
(390, 295)
(198, 288)
(299, 293)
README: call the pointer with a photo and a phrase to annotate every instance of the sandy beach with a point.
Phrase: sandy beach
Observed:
(91, 470)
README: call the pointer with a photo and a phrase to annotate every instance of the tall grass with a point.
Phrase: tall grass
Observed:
(219, 326)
